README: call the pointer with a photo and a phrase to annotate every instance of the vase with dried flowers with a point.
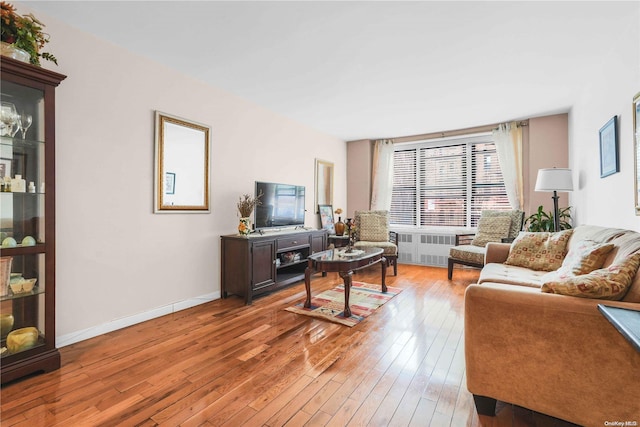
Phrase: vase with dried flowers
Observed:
(339, 225)
(23, 32)
(246, 203)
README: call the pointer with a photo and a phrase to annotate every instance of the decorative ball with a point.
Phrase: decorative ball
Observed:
(9, 242)
(28, 241)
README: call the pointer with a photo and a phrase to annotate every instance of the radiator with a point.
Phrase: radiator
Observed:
(424, 248)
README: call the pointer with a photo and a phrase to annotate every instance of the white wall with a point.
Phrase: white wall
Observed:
(607, 201)
(359, 159)
(117, 262)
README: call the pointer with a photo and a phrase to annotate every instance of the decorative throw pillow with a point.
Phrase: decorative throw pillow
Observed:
(539, 251)
(373, 228)
(515, 215)
(610, 283)
(585, 257)
(491, 229)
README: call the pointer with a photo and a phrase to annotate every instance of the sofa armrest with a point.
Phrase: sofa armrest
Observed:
(496, 252)
(550, 353)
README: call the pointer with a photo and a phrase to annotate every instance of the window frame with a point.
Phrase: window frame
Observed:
(470, 177)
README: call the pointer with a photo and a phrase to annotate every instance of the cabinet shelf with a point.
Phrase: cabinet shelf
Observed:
(288, 278)
(38, 248)
(292, 263)
(11, 296)
(20, 194)
(8, 141)
(7, 355)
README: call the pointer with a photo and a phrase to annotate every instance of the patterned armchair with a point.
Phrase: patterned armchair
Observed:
(372, 230)
(493, 226)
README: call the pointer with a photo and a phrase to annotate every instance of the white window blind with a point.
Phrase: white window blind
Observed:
(488, 191)
(403, 200)
(446, 183)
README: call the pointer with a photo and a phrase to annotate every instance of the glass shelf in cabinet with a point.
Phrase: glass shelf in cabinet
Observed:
(11, 296)
(21, 193)
(5, 354)
(19, 142)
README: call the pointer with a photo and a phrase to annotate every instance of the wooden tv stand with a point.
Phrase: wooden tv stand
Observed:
(259, 264)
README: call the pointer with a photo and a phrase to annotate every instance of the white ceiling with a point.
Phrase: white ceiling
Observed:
(366, 69)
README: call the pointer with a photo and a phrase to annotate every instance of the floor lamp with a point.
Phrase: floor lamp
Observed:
(554, 179)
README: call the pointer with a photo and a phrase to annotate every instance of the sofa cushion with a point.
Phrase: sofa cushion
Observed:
(609, 283)
(595, 233)
(388, 247)
(469, 253)
(491, 229)
(511, 275)
(633, 294)
(539, 251)
(585, 256)
(625, 245)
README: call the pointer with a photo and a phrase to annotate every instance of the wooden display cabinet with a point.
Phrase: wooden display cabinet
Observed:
(28, 218)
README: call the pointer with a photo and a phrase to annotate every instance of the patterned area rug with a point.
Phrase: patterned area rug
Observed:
(364, 299)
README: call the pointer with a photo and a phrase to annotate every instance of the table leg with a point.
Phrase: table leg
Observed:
(383, 261)
(347, 278)
(307, 286)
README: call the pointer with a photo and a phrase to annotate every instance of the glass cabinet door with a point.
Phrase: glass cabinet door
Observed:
(22, 219)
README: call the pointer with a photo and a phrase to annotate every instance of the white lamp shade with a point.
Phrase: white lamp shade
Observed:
(554, 179)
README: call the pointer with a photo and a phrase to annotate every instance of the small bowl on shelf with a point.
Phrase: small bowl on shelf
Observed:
(23, 286)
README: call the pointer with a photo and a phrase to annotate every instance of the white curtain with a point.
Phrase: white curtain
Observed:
(508, 140)
(382, 175)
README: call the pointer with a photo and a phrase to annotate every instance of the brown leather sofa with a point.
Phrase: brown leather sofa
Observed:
(551, 353)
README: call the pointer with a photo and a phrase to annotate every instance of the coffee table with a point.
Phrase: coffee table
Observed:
(345, 264)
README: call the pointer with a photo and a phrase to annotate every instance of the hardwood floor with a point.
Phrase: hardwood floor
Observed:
(227, 364)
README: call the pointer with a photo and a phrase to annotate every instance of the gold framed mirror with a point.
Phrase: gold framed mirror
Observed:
(182, 149)
(636, 146)
(324, 184)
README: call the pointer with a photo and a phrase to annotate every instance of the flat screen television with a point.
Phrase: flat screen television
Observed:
(282, 205)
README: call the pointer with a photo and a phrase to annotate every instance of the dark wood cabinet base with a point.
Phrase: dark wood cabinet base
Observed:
(42, 362)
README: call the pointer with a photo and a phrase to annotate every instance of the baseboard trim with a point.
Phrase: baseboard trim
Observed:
(114, 325)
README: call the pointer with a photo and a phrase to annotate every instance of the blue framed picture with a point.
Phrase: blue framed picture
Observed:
(609, 162)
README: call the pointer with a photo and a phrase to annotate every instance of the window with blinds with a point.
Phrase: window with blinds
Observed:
(446, 183)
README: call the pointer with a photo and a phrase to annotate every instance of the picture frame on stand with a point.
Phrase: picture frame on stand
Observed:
(326, 218)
